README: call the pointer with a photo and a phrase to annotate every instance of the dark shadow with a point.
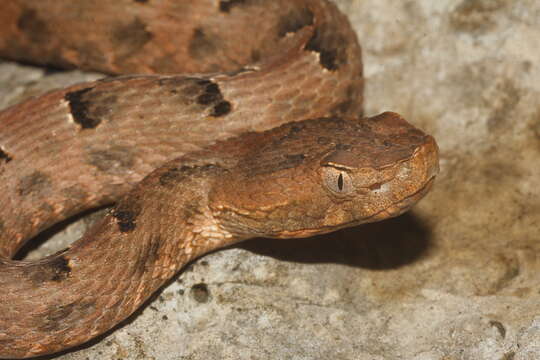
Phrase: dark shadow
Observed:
(383, 245)
(52, 70)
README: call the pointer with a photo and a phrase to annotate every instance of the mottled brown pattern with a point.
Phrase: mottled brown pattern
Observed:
(282, 162)
(55, 270)
(37, 183)
(114, 160)
(148, 256)
(75, 193)
(55, 317)
(197, 91)
(33, 26)
(131, 38)
(202, 44)
(274, 148)
(171, 175)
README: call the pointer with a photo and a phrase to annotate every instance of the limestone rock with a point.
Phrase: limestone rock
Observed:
(456, 278)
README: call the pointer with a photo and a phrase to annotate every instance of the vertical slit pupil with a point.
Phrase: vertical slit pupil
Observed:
(340, 182)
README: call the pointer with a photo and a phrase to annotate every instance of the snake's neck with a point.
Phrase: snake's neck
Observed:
(83, 291)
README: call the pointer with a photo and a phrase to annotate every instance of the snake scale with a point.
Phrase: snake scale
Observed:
(263, 138)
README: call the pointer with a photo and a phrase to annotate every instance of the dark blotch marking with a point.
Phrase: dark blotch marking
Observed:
(255, 55)
(201, 44)
(344, 147)
(294, 21)
(327, 56)
(173, 175)
(203, 92)
(177, 174)
(290, 161)
(126, 213)
(148, 256)
(90, 52)
(79, 105)
(200, 293)
(35, 183)
(52, 269)
(60, 268)
(212, 96)
(33, 26)
(226, 6)
(114, 160)
(57, 316)
(221, 109)
(125, 219)
(4, 156)
(130, 38)
(330, 57)
(141, 1)
(206, 98)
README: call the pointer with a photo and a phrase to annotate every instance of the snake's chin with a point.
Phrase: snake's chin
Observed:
(404, 204)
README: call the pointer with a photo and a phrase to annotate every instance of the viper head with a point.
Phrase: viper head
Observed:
(320, 175)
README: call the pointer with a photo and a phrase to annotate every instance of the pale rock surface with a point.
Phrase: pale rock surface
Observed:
(457, 278)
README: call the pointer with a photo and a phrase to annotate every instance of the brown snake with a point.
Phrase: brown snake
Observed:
(269, 142)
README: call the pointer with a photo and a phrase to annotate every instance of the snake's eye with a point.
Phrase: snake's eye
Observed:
(337, 181)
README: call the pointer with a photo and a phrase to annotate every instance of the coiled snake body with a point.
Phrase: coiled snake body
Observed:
(269, 142)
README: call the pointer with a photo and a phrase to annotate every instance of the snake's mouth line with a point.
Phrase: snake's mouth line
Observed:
(392, 211)
(407, 202)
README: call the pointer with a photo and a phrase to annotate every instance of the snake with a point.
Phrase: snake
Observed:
(224, 120)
